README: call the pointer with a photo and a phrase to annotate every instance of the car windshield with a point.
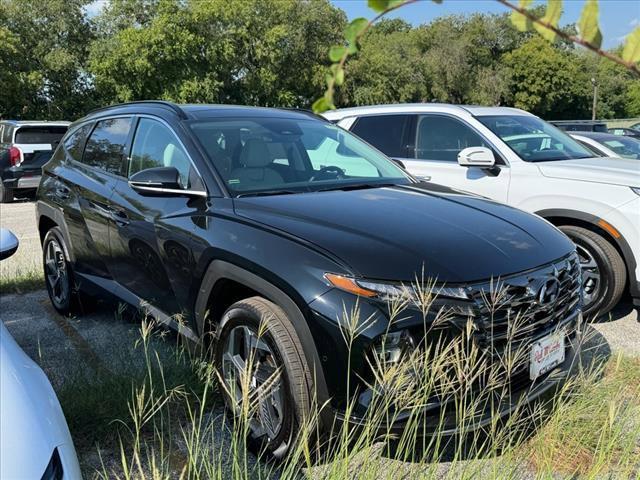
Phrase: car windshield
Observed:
(626, 147)
(272, 155)
(534, 140)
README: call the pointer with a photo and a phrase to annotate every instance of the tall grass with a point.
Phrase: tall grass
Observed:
(590, 427)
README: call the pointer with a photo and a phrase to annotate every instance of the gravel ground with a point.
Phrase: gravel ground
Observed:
(63, 346)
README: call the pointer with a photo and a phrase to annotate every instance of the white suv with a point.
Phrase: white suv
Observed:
(514, 157)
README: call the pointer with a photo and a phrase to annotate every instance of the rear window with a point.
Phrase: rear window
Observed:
(50, 135)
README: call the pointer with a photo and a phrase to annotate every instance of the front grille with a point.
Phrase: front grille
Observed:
(521, 308)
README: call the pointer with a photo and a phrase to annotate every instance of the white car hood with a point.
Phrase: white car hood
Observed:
(31, 420)
(614, 171)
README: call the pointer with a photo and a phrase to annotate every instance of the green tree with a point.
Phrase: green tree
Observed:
(388, 69)
(633, 99)
(548, 81)
(43, 49)
(228, 51)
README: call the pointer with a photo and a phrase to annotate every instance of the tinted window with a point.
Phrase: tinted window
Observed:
(74, 143)
(385, 132)
(442, 138)
(105, 146)
(155, 145)
(47, 135)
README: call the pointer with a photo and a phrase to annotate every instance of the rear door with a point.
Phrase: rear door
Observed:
(88, 187)
(151, 240)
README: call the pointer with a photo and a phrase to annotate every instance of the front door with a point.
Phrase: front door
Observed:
(438, 140)
(151, 244)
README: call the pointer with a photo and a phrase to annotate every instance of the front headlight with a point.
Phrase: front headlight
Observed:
(390, 291)
(636, 190)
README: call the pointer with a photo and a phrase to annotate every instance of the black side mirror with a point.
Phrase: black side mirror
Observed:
(8, 243)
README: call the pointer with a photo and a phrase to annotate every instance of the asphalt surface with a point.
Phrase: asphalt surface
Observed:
(65, 347)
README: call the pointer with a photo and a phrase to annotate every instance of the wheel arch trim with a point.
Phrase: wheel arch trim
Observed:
(221, 270)
(56, 216)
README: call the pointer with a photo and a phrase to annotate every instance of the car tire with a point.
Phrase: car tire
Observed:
(603, 269)
(276, 345)
(59, 279)
(6, 194)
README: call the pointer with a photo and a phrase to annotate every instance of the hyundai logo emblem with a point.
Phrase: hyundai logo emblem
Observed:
(549, 292)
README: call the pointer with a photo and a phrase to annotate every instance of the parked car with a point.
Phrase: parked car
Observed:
(235, 217)
(24, 147)
(580, 125)
(514, 157)
(609, 145)
(34, 437)
(627, 132)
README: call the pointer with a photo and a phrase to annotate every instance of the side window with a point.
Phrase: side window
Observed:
(385, 132)
(105, 147)
(441, 138)
(155, 145)
(74, 143)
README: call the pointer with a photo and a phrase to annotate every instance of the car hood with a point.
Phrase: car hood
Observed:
(614, 171)
(31, 420)
(396, 233)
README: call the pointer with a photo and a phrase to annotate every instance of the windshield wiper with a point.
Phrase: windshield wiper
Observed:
(267, 193)
(357, 186)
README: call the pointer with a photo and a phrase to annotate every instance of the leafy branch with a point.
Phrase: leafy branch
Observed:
(590, 35)
(339, 54)
(523, 19)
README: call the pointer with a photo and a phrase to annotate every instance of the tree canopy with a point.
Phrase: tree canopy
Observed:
(58, 62)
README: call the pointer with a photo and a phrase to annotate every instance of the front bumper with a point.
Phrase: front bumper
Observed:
(442, 420)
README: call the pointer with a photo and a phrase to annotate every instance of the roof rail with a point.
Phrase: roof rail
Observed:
(304, 111)
(176, 108)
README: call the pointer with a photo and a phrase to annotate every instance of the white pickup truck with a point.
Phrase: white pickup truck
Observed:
(24, 147)
(516, 158)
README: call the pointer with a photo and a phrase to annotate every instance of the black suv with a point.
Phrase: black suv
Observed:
(215, 218)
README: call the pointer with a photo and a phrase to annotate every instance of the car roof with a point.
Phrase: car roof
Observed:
(200, 111)
(33, 123)
(474, 110)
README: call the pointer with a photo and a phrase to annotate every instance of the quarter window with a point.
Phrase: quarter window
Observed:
(155, 145)
(74, 143)
(441, 138)
(106, 145)
(385, 132)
